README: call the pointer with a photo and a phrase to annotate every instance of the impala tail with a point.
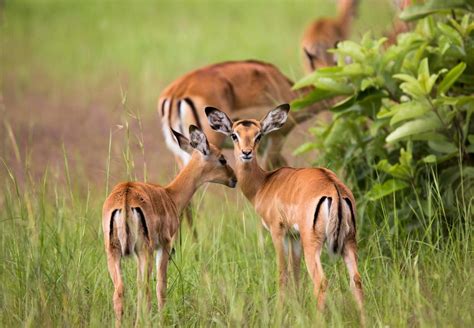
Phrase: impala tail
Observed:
(124, 224)
(341, 222)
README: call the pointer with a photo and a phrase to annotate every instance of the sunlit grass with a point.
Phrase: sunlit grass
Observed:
(53, 267)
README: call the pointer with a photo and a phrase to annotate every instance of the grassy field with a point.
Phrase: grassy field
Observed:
(79, 82)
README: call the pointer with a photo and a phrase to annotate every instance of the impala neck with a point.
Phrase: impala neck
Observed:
(250, 177)
(185, 184)
(346, 12)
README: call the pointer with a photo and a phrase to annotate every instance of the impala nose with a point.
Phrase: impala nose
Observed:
(246, 155)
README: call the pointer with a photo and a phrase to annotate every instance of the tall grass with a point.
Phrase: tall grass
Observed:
(53, 268)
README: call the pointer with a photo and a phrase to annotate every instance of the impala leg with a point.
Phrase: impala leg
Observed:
(162, 258)
(296, 259)
(189, 218)
(312, 255)
(144, 269)
(350, 258)
(278, 243)
(113, 264)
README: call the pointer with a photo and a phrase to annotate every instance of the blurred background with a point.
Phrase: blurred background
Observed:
(72, 70)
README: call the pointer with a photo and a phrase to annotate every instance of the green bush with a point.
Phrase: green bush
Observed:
(403, 127)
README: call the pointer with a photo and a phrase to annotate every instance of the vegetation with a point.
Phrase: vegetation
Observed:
(403, 128)
(52, 262)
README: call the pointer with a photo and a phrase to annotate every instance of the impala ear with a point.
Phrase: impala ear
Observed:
(219, 120)
(199, 140)
(183, 142)
(275, 119)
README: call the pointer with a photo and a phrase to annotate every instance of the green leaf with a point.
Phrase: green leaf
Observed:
(311, 98)
(420, 10)
(425, 124)
(387, 188)
(451, 77)
(408, 110)
(445, 147)
(333, 85)
(429, 159)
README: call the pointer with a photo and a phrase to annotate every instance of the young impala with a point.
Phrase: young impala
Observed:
(324, 34)
(139, 218)
(241, 89)
(310, 204)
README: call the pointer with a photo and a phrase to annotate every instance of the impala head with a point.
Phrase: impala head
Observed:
(208, 159)
(246, 134)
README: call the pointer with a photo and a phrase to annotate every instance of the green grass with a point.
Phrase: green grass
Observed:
(53, 269)
(52, 260)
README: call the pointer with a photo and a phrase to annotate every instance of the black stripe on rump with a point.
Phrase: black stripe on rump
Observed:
(349, 203)
(316, 212)
(170, 111)
(111, 224)
(310, 58)
(193, 109)
(339, 219)
(163, 107)
(142, 221)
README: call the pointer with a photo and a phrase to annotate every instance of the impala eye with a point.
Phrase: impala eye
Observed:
(233, 136)
(222, 160)
(258, 138)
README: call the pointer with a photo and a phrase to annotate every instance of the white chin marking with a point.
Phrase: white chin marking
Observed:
(246, 160)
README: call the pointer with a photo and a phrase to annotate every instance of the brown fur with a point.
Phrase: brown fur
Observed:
(242, 89)
(324, 33)
(161, 207)
(287, 197)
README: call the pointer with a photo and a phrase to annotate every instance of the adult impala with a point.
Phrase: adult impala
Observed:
(306, 206)
(139, 218)
(324, 34)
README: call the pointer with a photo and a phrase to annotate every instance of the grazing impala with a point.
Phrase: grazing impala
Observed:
(241, 89)
(324, 34)
(310, 204)
(139, 218)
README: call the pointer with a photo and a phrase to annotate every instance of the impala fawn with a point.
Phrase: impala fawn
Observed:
(304, 207)
(139, 218)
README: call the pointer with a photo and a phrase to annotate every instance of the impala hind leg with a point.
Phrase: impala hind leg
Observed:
(144, 270)
(296, 259)
(113, 264)
(162, 258)
(350, 258)
(312, 256)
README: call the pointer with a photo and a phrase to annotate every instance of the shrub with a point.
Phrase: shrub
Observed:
(405, 113)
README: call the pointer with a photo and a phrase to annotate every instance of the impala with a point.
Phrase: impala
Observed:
(241, 89)
(139, 218)
(300, 207)
(324, 34)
